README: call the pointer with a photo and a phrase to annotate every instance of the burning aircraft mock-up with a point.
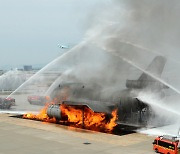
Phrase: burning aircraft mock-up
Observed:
(130, 110)
(81, 104)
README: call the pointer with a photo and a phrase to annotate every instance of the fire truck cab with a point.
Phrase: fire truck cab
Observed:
(166, 145)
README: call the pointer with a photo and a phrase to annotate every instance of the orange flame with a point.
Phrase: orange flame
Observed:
(42, 116)
(79, 116)
(88, 119)
(112, 122)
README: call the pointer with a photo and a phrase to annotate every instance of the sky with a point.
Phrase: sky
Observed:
(30, 30)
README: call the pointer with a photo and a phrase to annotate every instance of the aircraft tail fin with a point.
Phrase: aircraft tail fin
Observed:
(156, 68)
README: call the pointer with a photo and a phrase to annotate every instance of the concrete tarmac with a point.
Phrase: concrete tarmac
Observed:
(22, 136)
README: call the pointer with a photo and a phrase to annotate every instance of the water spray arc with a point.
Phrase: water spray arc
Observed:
(45, 68)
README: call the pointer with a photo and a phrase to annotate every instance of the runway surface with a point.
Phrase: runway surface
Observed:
(28, 136)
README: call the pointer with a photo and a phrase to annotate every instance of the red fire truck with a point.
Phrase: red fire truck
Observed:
(166, 145)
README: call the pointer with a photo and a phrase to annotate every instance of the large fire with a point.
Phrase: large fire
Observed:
(86, 118)
(81, 117)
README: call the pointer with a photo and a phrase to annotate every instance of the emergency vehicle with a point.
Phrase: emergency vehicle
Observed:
(166, 145)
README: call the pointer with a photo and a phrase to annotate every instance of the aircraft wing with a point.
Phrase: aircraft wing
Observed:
(96, 106)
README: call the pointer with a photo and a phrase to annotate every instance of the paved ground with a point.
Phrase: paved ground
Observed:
(22, 103)
(26, 136)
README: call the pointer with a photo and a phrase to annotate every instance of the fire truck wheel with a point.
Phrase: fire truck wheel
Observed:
(168, 153)
(156, 150)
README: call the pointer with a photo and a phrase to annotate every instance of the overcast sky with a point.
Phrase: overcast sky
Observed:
(31, 29)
